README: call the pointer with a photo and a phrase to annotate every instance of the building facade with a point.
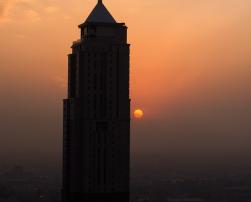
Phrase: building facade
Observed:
(96, 136)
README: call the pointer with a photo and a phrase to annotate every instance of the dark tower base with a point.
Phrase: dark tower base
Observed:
(104, 197)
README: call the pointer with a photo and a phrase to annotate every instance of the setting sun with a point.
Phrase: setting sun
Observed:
(138, 113)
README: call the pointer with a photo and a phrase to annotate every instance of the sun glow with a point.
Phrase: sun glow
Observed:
(138, 113)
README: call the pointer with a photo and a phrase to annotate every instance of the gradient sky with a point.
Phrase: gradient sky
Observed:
(190, 73)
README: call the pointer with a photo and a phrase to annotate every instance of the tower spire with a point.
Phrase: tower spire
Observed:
(100, 14)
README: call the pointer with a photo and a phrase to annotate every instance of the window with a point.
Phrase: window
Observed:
(85, 31)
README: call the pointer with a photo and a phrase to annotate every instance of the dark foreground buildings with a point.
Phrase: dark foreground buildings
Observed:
(97, 113)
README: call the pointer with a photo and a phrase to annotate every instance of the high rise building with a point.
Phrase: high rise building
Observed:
(96, 149)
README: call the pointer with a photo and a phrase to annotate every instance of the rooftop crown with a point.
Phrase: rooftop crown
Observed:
(100, 14)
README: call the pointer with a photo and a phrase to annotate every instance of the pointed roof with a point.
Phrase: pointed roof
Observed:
(100, 14)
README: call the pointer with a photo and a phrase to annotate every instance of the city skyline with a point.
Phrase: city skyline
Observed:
(190, 78)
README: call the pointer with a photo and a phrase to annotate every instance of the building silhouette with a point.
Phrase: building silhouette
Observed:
(96, 149)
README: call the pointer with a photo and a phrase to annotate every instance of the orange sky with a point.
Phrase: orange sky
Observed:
(188, 59)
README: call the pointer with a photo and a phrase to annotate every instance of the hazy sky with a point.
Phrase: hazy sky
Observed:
(190, 73)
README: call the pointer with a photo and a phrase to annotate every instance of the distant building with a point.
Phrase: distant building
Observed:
(10, 199)
(97, 113)
(186, 200)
